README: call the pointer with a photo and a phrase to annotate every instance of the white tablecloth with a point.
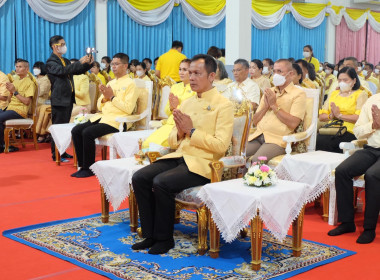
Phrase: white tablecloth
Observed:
(115, 177)
(127, 143)
(233, 205)
(61, 134)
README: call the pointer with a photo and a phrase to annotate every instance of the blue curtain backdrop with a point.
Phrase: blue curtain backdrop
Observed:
(33, 33)
(7, 37)
(139, 41)
(287, 39)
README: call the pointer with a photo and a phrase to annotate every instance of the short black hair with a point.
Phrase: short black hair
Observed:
(258, 63)
(210, 62)
(18, 60)
(270, 61)
(142, 64)
(40, 65)
(331, 66)
(298, 69)
(124, 58)
(370, 65)
(147, 59)
(156, 59)
(353, 59)
(242, 62)
(351, 72)
(54, 40)
(223, 52)
(97, 64)
(292, 60)
(177, 44)
(106, 58)
(214, 52)
(310, 68)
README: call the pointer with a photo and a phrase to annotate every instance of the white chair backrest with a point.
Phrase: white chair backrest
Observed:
(148, 111)
(314, 94)
(164, 98)
(372, 87)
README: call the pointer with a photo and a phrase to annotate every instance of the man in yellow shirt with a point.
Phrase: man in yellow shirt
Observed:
(365, 161)
(4, 93)
(21, 95)
(203, 132)
(368, 76)
(168, 63)
(118, 99)
(280, 111)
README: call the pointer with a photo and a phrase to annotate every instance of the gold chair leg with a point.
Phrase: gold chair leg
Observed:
(202, 230)
(326, 201)
(356, 193)
(256, 242)
(35, 137)
(133, 211)
(75, 158)
(57, 156)
(7, 130)
(105, 206)
(214, 237)
(177, 216)
(104, 153)
(297, 227)
(22, 137)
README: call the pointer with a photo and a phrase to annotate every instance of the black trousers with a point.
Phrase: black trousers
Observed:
(59, 114)
(331, 143)
(155, 187)
(84, 136)
(365, 161)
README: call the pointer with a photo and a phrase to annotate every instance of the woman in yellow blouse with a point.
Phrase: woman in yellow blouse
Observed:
(329, 78)
(343, 104)
(308, 78)
(106, 66)
(309, 57)
(82, 94)
(141, 71)
(96, 70)
(256, 72)
(178, 93)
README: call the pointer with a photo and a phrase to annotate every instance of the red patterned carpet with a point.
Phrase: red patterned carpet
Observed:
(34, 190)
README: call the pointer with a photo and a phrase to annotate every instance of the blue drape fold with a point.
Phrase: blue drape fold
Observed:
(7, 37)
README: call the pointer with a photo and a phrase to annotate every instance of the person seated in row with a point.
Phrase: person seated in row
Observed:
(95, 69)
(298, 75)
(343, 104)
(268, 68)
(221, 80)
(43, 102)
(329, 77)
(376, 72)
(4, 93)
(118, 99)
(141, 72)
(22, 91)
(365, 161)
(308, 79)
(280, 111)
(215, 52)
(105, 65)
(178, 93)
(309, 57)
(249, 88)
(369, 77)
(202, 133)
(148, 63)
(256, 73)
(132, 68)
(82, 94)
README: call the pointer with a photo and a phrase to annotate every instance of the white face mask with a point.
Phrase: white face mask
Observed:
(328, 71)
(377, 71)
(62, 50)
(306, 54)
(359, 69)
(344, 87)
(102, 65)
(307, 76)
(265, 70)
(278, 80)
(139, 73)
(365, 73)
(336, 73)
(36, 71)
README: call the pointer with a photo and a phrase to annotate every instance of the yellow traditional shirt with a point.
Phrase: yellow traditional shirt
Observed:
(168, 64)
(373, 80)
(222, 59)
(45, 87)
(26, 88)
(348, 105)
(263, 82)
(307, 83)
(213, 119)
(363, 126)
(82, 90)
(160, 136)
(146, 78)
(329, 78)
(124, 102)
(293, 101)
(101, 78)
(3, 90)
(313, 61)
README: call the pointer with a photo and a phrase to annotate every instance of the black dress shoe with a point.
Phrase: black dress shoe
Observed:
(12, 149)
(366, 237)
(145, 244)
(342, 229)
(84, 173)
(161, 247)
(66, 155)
(75, 174)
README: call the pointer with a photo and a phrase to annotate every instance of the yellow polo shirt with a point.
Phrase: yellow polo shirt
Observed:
(26, 88)
(213, 118)
(124, 102)
(293, 101)
(168, 64)
(313, 61)
(82, 90)
(3, 90)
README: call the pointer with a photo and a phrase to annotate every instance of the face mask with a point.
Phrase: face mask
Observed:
(328, 72)
(36, 71)
(139, 73)
(62, 50)
(278, 80)
(344, 87)
(365, 73)
(102, 65)
(306, 54)
(359, 69)
(336, 73)
(265, 70)
(377, 71)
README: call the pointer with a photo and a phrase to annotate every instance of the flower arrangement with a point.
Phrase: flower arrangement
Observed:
(260, 174)
(81, 117)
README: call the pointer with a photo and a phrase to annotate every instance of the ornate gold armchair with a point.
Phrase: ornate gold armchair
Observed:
(94, 91)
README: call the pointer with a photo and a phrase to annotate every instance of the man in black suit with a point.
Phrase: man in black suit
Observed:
(60, 72)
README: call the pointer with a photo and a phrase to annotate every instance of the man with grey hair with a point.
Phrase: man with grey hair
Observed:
(249, 89)
(281, 110)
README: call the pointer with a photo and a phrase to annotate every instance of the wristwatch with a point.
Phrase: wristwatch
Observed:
(15, 93)
(192, 131)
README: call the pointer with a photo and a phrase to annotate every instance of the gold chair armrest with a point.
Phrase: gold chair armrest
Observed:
(152, 156)
(360, 143)
(216, 171)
